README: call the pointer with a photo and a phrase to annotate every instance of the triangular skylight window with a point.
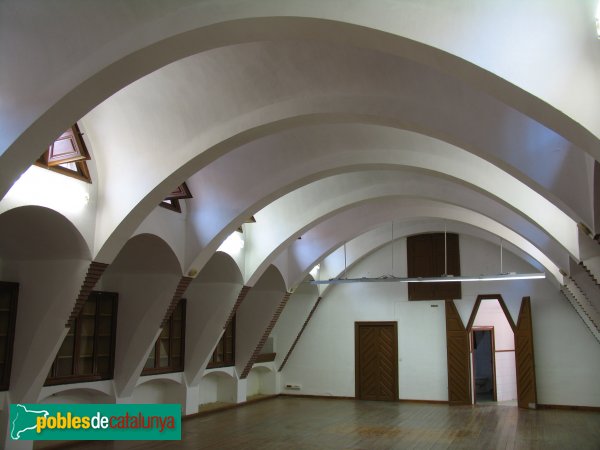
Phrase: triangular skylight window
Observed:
(172, 200)
(67, 155)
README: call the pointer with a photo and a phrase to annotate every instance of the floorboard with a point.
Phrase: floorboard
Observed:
(305, 423)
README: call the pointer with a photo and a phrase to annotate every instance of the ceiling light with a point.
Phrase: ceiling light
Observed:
(442, 279)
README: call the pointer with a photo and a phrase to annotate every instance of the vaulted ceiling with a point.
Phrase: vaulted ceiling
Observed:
(324, 121)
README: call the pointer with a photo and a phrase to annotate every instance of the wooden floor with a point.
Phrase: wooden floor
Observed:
(306, 423)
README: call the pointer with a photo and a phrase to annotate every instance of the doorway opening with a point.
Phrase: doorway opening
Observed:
(493, 366)
(484, 365)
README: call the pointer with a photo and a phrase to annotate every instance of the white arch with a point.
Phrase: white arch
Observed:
(314, 203)
(545, 161)
(147, 42)
(328, 235)
(364, 239)
(427, 58)
(245, 180)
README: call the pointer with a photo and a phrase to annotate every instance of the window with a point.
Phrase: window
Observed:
(9, 293)
(426, 255)
(87, 353)
(68, 155)
(172, 200)
(224, 354)
(169, 350)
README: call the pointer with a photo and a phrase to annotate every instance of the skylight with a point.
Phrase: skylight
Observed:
(171, 201)
(67, 155)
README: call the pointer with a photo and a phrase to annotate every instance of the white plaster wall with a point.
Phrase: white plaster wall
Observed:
(567, 357)
(291, 320)
(217, 387)
(506, 376)
(323, 361)
(207, 310)
(253, 383)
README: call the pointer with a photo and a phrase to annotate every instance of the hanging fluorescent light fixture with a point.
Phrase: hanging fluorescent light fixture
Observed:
(442, 279)
(502, 276)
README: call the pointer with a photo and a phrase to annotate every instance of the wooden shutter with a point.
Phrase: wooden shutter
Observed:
(426, 258)
(525, 365)
(457, 342)
(69, 147)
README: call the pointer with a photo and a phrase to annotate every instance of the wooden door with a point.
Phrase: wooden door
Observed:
(526, 390)
(458, 352)
(376, 357)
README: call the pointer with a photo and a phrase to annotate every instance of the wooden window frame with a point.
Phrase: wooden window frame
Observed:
(13, 292)
(54, 379)
(226, 362)
(181, 193)
(156, 350)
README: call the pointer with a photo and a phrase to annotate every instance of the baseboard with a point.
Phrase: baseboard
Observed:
(338, 397)
(228, 406)
(330, 397)
(569, 407)
(430, 402)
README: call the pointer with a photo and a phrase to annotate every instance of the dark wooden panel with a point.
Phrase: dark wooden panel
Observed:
(459, 372)
(9, 294)
(426, 258)
(87, 352)
(525, 363)
(376, 353)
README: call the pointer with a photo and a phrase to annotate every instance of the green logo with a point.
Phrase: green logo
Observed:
(95, 422)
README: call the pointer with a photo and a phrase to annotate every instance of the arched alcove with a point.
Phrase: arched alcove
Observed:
(75, 395)
(217, 386)
(159, 390)
(261, 381)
